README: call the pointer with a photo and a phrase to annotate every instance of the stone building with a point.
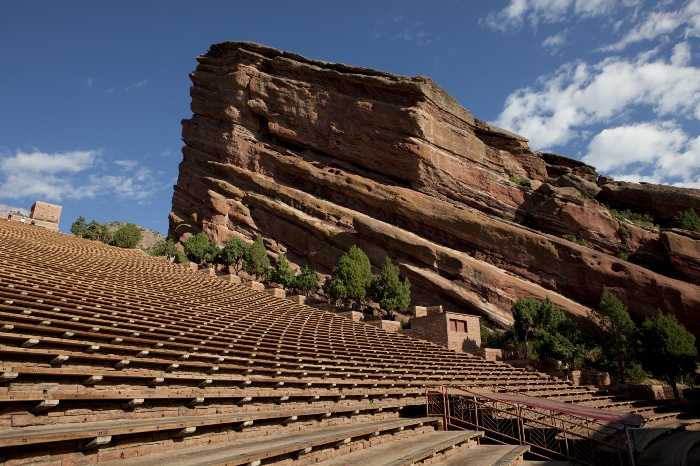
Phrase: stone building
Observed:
(42, 214)
(455, 331)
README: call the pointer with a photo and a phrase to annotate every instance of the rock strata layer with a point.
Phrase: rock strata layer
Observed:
(318, 156)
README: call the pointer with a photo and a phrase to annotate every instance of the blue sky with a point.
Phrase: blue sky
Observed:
(92, 93)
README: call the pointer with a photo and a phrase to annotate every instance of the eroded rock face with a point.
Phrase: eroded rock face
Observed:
(318, 156)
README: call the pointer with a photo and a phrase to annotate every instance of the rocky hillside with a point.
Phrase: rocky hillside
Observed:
(318, 156)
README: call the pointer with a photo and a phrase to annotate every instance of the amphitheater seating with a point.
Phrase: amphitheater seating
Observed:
(110, 355)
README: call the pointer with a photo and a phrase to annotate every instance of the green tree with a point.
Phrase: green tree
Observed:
(98, 232)
(200, 249)
(256, 262)
(388, 290)
(283, 273)
(618, 332)
(307, 281)
(164, 248)
(351, 277)
(234, 253)
(667, 349)
(79, 227)
(544, 332)
(126, 236)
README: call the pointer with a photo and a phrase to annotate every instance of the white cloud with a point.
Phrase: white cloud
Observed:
(656, 152)
(136, 85)
(659, 23)
(555, 42)
(535, 12)
(577, 95)
(681, 54)
(42, 162)
(72, 175)
(127, 164)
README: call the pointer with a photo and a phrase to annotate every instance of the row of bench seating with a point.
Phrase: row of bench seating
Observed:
(108, 354)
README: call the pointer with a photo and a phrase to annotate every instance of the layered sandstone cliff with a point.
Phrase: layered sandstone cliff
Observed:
(318, 156)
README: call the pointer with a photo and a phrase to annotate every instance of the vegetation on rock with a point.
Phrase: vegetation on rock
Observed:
(520, 181)
(643, 220)
(689, 220)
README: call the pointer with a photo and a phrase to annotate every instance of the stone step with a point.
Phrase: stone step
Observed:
(487, 455)
(406, 451)
(265, 448)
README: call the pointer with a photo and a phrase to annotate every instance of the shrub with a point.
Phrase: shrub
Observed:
(351, 277)
(200, 249)
(668, 350)
(126, 236)
(165, 248)
(388, 290)
(520, 181)
(234, 253)
(79, 227)
(619, 332)
(307, 281)
(624, 255)
(688, 220)
(181, 258)
(283, 273)
(256, 261)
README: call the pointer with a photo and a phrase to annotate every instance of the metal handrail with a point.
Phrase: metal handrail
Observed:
(551, 433)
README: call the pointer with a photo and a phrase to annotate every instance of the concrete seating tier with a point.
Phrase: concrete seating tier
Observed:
(108, 355)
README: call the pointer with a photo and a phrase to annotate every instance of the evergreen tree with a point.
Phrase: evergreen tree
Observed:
(668, 349)
(619, 332)
(351, 277)
(283, 273)
(79, 227)
(307, 281)
(234, 253)
(98, 232)
(126, 236)
(388, 290)
(200, 249)
(256, 262)
(544, 332)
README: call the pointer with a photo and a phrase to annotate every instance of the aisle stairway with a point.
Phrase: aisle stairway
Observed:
(110, 355)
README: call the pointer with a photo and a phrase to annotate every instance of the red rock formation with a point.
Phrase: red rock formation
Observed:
(318, 156)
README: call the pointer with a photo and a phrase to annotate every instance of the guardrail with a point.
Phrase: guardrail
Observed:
(551, 431)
